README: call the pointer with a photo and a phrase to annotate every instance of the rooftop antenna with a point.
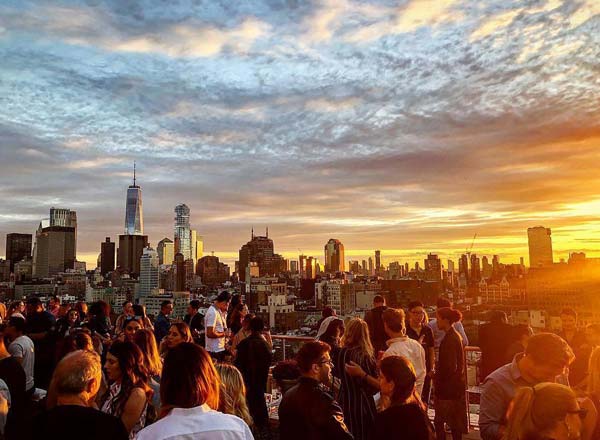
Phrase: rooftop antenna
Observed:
(267, 232)
(252, 236)
(134, 173)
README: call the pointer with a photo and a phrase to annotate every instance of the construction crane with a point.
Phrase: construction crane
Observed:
(470, 248)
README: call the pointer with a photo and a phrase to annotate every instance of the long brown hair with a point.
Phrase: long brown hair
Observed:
(145, 339)
(184, 330)
(189, 379)
(357, 336)
(400, 371)
(233, 393)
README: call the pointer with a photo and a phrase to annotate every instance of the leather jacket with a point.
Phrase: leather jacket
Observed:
(308, 411)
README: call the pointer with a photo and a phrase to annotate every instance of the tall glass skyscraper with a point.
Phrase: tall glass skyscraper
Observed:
(183, 236)
(134, 220)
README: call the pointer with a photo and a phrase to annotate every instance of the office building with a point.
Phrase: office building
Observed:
(179, 265)
(166, 251)
(212, 273)
(377, 260)
(182, 231)
(18, 247)
(131, 249)
(107, 256)
(334, 256)
(540, 246)
(260, 250)
(134, 219)
(54, 250)
(148, 273)
(294, 266)
(475, 269)
(433, 268)
(197, 246)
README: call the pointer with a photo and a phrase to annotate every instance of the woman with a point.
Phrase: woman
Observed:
(78, 339)
(145, 339)
(140, 311)
(129, 395)
(16, 307)
(82, 308)
(232, 397)
(131, 325)
(178, 332)
(237, 317)
(66, 324)
(330, 332)
(545, 411)
(356, 395)
(417, 329)
(403, 407)
(449, 378)
(99, 320)
(189, 395)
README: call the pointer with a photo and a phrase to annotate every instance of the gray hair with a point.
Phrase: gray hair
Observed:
(75, 371)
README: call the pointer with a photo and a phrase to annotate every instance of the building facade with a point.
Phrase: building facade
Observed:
(182, 231)
(107, 256)
(148, 272)
(334, 256)
(18, 247)
(540, 246)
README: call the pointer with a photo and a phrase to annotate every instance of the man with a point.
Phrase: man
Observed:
(545, 359)
(401, 345)
(162, 323)
(375, 323)
(494, 339)
(307, 410)
(253, 359)
(22, 349)
(76, 381)
(418, 330)
(54, 306)
(577, 341)
(40, 329)
(127, 312)
(195, 320)
(325, 313)
(438, 334)
(216, 327)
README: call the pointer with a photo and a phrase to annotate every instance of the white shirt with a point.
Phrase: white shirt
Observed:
(218, 320)
(411, 350)
(22, 347)
(199, 422)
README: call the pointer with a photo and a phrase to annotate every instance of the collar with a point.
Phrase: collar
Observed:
(394, 340)
(515, 372)
(202, 409)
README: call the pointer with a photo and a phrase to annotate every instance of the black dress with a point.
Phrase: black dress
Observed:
(402, 422)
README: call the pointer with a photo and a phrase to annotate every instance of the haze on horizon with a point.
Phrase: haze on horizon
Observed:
(401, 126)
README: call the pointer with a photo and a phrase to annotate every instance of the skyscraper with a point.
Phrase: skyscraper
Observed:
(260, 250)
(166, 251)
(179, 272)
(197, 242)
(54, 250)
(433, 268)
(66, 218)
(183, 236)
(131, 248)
(377, 260)
(134, 220)
(148, 272)
(107, 256)
(334, 256)
(475, 269)
(540, 246)
(18, 246)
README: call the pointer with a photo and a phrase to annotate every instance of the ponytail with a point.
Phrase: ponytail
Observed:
(519, 414)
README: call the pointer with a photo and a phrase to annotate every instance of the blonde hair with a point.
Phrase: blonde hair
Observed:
(233, 393)
(593, 386)
(535, 411)
(357, 336)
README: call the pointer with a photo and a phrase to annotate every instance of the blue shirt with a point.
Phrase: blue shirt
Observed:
(438, 334)
(161, 327)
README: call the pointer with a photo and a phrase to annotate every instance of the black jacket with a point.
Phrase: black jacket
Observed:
(307, 411)
(449, 377)
(376, 330)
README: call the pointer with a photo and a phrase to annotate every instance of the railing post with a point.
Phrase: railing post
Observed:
(283, 346)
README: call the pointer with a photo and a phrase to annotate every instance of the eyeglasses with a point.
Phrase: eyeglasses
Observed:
(327, 361)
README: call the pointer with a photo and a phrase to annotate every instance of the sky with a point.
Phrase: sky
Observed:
(406, 126)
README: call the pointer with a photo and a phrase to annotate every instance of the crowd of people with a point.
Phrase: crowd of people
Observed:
(68, 371)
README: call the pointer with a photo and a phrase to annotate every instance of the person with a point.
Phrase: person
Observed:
(403, 406)
(78, 339)
(375, 323)
(82, 308)
(494, 339)
(244, 331)
(145, 339)
(577, 341)
(356, 395)
(449, 384)
(237, 316)
(401, 345)
(438, 334)
(545, 411)
(127, 312)
(417, 329)
(286, 374)
(195, 321)
(189, 394)
(330, 332)
(13, 375)
(325, 313)
(178, 332)
(22, 349)
(545, 359)
(253, 359)
(40, 327)
(67, 323)
(131, 325)
(307, 410)
(54, 306)
(216, 327)
(593, 384)
(139, 310)
(99, 321)
(521, 335)
(76, 380)
(162, 321)
(16, 307)
(232, 396)
(129, 395)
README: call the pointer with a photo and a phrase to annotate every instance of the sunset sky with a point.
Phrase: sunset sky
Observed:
(406, 126)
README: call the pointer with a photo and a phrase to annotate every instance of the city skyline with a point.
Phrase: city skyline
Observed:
(407, 128)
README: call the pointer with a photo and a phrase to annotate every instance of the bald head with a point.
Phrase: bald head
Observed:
(78, 372)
